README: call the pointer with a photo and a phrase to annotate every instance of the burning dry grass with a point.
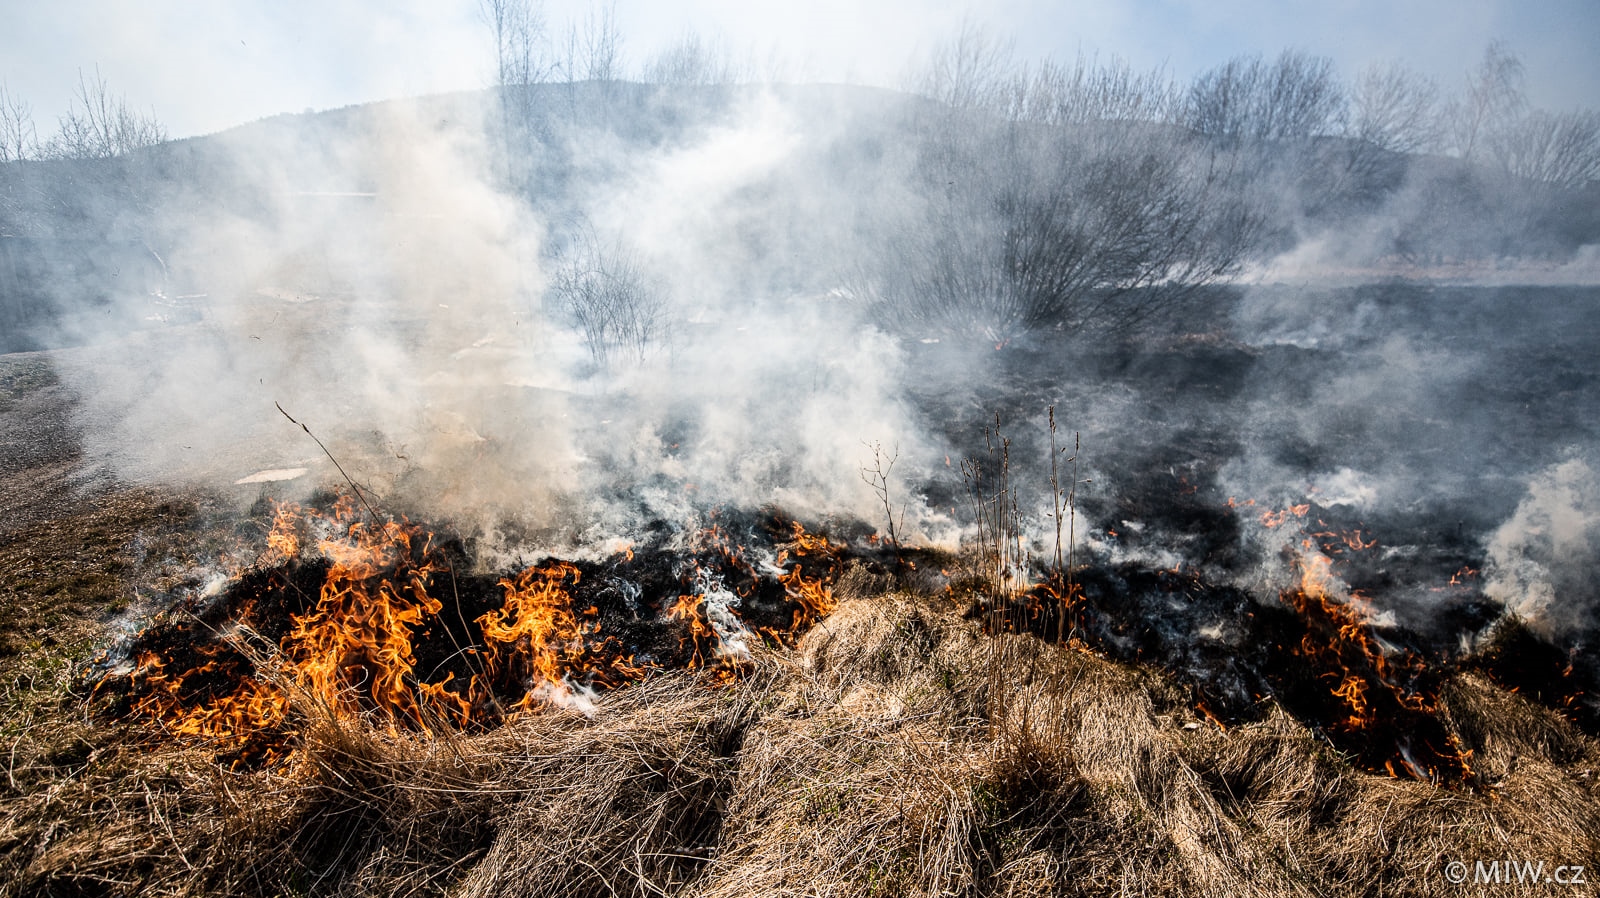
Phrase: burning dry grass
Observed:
(896, 748)
(897, 751)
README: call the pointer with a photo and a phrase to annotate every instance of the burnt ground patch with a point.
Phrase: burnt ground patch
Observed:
(1372, 692)
(409, 622)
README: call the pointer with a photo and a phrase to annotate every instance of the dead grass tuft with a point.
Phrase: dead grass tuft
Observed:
(896, 752)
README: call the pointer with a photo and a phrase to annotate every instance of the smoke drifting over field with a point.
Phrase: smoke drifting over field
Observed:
(378, 280)
(556, 315)
(1047, 474)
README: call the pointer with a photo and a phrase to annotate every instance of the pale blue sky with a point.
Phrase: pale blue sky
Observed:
(204, 66)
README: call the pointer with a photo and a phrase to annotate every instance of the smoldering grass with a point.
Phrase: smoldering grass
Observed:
(898, 751)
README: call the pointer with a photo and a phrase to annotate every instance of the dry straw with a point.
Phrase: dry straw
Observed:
(899, 751)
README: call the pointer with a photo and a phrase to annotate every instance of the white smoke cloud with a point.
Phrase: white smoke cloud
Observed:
(370, 281)
(369, 275)
(1542, 560)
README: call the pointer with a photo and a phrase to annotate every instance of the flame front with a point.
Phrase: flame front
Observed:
(353, 650)
(536, 642)
(1381, 694)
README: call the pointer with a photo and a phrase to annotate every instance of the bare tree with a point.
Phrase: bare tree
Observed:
(1220, 101)
(1491, 118)
(601, 46)
(1394, 109)
(971, 72)
(591, 52)
(1493, 99)
(1087, 91)
(615, 304)
(1392, 112)
(104, 127)
(18, 140)
(1266, 117)
(1303, 98)
(522, 60)
(1245, 99)
(1562, 150)
(692, 60)
(519, 39)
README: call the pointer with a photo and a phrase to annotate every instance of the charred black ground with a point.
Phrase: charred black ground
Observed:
(1174, 431)
(643, 609)
(1238, 654)
(1444, 401)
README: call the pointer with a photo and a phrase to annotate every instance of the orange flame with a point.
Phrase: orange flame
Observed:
(353, 649)
(353, 652)
(814, 595)
(536, 641)
(1279, 518)
(1368, 678)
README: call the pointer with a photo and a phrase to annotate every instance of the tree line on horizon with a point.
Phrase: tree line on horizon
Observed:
(1089, 196)
(1081, 197)
(1386, 107)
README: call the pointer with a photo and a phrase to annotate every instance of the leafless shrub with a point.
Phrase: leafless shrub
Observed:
(1088, 91)
(969, 72)
(1562, 150)
(694, 61)
(103, 127)
(877, 477)
(1394, 109)
(1303, 98)
(1053, 197)
(614, 302)
(18, 140)
(1245, 99)
(1080, 230)
(977, 71)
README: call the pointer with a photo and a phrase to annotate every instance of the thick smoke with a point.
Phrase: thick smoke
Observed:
(567, 311)
(1542, 560)
(378, 278)
(373, 285)
(1418, 415)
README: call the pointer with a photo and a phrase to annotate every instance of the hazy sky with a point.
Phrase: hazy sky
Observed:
(204, 66)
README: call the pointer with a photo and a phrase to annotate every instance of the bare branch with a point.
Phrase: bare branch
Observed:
(603, 286)
(877, 477)
(18, 140)
(103, 127)
(1562, 150)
